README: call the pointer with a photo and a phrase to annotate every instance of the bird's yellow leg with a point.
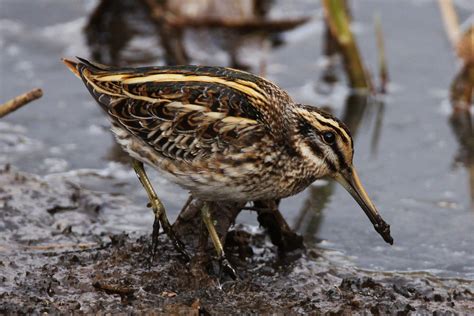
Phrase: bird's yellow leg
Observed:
(207, 219)
(158, 210)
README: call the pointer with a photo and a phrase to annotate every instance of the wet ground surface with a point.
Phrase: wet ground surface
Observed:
(58, 255)
(73, 237)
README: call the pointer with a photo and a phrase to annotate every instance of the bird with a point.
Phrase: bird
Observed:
(223, 135)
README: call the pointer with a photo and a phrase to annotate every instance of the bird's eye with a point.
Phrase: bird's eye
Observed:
(329, 138)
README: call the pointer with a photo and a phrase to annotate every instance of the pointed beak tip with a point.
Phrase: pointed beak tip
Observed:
(389, 240)
(384, 230)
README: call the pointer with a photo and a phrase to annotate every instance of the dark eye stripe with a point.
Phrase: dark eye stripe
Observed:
(305, 128)
(317, 151)
(340, 156)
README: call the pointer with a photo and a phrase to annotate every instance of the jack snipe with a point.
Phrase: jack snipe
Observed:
(222, 134)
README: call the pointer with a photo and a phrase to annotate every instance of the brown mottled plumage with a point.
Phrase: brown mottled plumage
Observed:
(224, 134)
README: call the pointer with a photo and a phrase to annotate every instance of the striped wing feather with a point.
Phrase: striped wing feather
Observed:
(184, 131)
(181, 119)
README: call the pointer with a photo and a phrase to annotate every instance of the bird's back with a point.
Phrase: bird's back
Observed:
(206, 127)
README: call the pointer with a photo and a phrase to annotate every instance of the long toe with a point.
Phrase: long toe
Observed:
(154, 238)
(228, 268)
(179, 246)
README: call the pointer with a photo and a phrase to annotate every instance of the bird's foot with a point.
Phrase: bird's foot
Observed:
(226, 267)
(154, 238)
(152, 250)
(178, 245)
(162, 219)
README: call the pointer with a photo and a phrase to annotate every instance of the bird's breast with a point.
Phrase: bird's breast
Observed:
(260, 171)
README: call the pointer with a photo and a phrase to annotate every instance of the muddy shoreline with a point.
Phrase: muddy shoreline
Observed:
(57, 256)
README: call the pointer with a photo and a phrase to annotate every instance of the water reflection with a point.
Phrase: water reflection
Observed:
(461, 121)
(311, 214)
(379, 115)
(360, 107)
(462, 89)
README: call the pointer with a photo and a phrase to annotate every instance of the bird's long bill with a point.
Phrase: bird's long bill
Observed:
(351, 182)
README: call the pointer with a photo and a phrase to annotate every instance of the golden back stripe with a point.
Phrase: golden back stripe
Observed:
(251, 84)
(249, 88)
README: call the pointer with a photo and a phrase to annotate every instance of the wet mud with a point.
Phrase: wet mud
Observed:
(59, 255)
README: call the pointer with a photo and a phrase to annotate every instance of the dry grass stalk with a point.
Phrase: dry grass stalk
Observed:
(21, 100)
(450, 19)
(463, 42)
(465, 47)
(462, 87)
(64, 246)
(338, 20)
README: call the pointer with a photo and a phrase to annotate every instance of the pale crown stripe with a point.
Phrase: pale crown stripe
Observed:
(332, 123)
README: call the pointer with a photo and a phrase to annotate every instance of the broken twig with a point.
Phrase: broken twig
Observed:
(21, 100)
(113, 289)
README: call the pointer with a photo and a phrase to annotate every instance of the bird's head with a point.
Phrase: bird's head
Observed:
(326, 145)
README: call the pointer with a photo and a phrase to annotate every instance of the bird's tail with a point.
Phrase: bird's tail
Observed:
(77, 67)
(91, 74)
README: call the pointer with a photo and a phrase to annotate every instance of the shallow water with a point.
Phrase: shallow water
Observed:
(411, 174)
